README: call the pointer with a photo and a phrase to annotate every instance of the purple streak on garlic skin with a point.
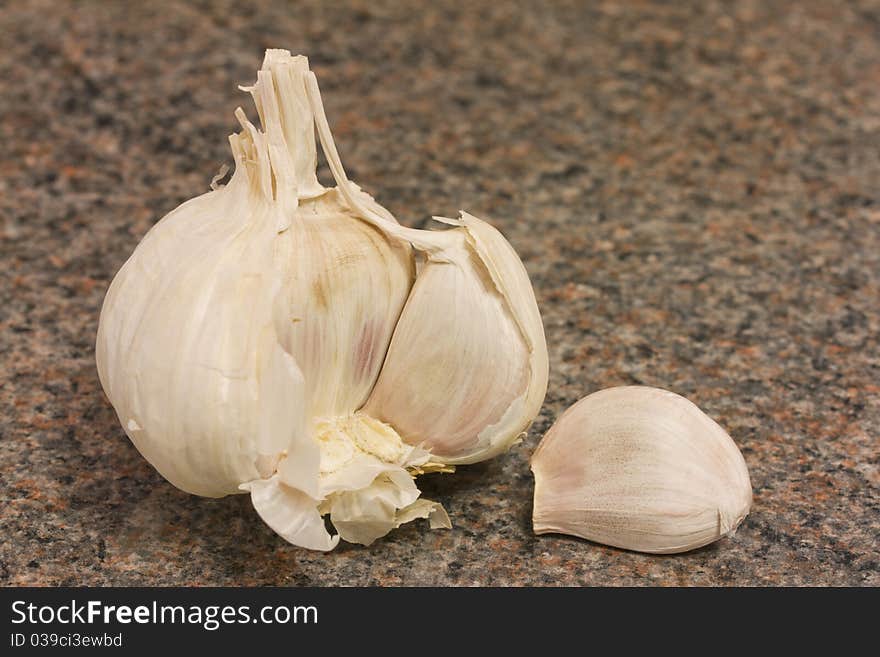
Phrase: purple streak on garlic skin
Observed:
(346, 305)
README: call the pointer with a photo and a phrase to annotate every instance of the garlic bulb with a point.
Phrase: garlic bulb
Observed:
(642, 469)
(294, 341)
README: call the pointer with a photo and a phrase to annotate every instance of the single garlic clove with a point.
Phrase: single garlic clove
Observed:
(339, 304)
(472, 330)
(642, 469)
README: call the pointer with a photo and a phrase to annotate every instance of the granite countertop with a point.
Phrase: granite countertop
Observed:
(694, 189)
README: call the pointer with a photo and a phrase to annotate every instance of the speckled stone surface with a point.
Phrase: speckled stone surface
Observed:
(694, 188)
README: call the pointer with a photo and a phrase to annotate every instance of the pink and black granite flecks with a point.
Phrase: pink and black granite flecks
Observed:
(694, 188)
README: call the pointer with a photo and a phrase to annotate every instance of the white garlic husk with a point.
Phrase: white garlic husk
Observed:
(642, 469)
(295, 342)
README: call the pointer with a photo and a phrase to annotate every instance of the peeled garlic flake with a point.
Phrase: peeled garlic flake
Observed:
(277, 337)
(642, 469)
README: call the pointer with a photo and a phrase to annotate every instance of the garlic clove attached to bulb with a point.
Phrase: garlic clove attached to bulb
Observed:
(478, 390)
(642, 469)
(277, 337)
(339, 305)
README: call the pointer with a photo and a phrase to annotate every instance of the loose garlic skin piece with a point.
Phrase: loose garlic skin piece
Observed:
(276, 337)
(642, 469)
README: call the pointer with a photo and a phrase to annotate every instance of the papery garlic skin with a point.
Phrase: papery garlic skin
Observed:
(162, 368)
(275, 337)
(642, 469)
(454, 372)
(340, 347)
